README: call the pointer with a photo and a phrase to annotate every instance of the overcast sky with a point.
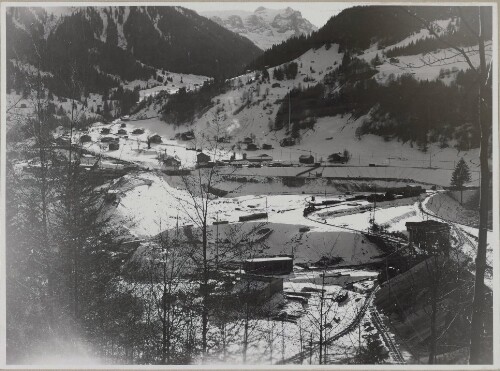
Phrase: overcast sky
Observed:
(317, 13)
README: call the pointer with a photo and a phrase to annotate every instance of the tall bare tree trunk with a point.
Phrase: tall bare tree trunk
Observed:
(204, 316)
(484, 123)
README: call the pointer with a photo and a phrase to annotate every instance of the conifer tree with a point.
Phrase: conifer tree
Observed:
(460, 176)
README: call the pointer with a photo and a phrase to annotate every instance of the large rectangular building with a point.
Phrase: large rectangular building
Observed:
(269, 265)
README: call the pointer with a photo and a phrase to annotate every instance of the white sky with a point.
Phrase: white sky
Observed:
(318, 13)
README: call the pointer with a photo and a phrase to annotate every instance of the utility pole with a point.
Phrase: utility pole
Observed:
(217, 244)
(374, 207)
(289, 107)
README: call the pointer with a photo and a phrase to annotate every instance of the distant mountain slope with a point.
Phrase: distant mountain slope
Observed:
(101, 46)
(360, 27)
(264, 27)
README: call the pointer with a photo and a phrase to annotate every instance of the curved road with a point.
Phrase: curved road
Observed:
(393, 348)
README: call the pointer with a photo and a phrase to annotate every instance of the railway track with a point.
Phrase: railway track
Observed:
(299, 357)
(393, 348)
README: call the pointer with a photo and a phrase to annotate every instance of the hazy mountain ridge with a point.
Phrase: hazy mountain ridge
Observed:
(264, 27)
(127, 42)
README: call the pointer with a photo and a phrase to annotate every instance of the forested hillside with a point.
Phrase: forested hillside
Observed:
(94, 49)
(358, 28)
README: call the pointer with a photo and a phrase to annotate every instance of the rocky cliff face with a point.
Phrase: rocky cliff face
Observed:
(264, 27)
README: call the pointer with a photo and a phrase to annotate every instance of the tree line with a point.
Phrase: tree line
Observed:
(403, 108)
(385, 24)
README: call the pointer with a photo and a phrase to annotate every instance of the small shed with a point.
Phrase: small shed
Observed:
(267, 146)
(138, 131)
(85, 138)
(306, 159)
(155, 139)
(247, 140)
(114, 146)
(287, 142)
(122, 131)
(202, 158)
(105, 131)
(87, 160)
(260, 158)
(269, 265)
(107, 139)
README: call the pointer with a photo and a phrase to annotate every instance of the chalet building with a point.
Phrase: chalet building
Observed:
(269, 265)
(267, 146)
(306, 159)
(337, 158)
(252, 147)
(429, 235)
(187, 135)
(107, 139)
(105, 131)
(247, 140)
(122, 131)
(114, 146)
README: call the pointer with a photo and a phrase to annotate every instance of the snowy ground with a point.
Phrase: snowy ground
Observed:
(149, 204)
(134, 148)
(179, 80)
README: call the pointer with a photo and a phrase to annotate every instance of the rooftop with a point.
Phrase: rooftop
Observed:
(276, 258)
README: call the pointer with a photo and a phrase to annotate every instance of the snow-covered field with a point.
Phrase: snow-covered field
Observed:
(179, 80)
(134, 147)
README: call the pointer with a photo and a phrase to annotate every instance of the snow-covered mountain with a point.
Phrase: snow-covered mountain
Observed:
(264, 27)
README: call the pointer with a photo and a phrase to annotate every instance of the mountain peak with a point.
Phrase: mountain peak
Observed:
(264, 27)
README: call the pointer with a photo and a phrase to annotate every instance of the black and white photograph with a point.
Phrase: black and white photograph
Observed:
(249, 185)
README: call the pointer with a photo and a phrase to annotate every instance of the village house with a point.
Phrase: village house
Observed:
(169, 162)
(337, 158)
(252, 147)
(247, 140)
